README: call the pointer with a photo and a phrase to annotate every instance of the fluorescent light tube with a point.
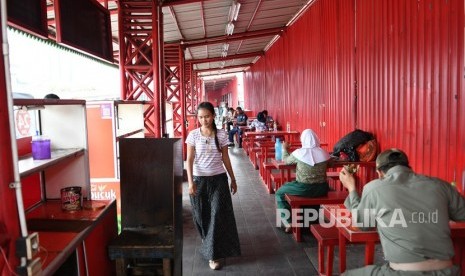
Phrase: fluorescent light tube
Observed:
(236, 10)
(229, 28)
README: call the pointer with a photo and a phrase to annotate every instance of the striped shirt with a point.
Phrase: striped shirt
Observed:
(207, 160)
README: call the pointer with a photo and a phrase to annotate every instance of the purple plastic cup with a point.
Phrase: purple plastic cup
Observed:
(41, 149)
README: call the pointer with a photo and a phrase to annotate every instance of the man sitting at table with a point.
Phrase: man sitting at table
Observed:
(411, 246)
(241, 120)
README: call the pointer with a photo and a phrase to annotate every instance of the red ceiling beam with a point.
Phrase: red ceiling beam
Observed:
(169, 3)
(176, 22)
(254, 14)
(224, 68)
(203, 19)
(245, 55)
(234, 37)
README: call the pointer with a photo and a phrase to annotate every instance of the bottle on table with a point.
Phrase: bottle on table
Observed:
(278, 150)
(288, 126)
(275, 126)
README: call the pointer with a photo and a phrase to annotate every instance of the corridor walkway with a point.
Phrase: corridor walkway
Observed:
(266, 250)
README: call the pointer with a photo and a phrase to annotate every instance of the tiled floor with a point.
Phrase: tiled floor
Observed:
(266, 250)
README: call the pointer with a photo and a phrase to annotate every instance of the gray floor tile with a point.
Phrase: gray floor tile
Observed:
(266, 249)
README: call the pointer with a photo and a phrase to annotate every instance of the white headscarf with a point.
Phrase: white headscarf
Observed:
(310, 153)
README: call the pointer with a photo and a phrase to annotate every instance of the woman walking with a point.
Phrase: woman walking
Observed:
(207, 152)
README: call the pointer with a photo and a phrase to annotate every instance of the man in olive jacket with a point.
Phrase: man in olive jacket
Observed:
(412, 217)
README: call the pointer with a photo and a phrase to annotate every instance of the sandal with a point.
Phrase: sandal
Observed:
(215, 265)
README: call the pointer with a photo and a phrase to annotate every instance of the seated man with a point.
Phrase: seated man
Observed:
(229, 119)
(241, 120)
(397, 198)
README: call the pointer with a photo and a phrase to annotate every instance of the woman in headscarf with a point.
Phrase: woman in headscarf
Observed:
(311, 180)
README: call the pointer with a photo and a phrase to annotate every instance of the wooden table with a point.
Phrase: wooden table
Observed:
(285, 170)
(366, 174)
(370, 238)
(288, 135)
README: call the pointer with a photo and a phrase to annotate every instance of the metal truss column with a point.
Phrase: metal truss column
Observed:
(139, 30)
(174, 87)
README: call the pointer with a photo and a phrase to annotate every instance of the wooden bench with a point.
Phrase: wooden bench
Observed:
(277, 179)
(252, 156)
(298, 202)
(327, 237)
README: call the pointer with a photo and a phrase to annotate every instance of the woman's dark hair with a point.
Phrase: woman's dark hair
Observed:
(265, 112)
(208, 106)
(261, 117)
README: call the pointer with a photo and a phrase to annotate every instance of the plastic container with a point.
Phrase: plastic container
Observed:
(288, 126)
(71, 198)
(41, 148)
(278, 150)
(275, 126)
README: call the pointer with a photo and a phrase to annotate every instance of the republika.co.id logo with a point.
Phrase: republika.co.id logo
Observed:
(365, 218)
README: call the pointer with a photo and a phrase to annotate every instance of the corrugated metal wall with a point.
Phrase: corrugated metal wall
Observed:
(391, 67)
(215, 96)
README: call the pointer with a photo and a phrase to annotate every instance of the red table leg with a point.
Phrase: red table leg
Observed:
(369, 252)
(342, 253)
(296, 231)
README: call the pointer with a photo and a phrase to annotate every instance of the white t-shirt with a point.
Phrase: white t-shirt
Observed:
(208, 160)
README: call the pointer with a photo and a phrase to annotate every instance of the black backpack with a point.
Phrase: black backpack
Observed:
(349, 143)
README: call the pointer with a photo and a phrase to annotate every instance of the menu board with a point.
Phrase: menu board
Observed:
(28, 15)
(84, 25)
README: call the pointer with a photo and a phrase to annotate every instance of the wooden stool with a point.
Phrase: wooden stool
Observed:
(326, 237)
(298, 202)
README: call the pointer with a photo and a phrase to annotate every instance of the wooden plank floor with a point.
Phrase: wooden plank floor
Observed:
(266, 250)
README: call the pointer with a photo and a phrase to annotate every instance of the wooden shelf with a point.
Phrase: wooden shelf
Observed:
(29, 166)
(43, 102)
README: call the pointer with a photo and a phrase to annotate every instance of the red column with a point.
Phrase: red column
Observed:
(9, 221)
(156, 71)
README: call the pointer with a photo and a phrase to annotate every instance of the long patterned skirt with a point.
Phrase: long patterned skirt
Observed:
(214, 217)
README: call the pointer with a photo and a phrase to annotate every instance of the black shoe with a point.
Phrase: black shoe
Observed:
(231, 145)
(240, 145)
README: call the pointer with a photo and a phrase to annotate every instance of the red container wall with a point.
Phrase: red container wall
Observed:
(391, 67)
(409, 56)
(308, 74)
(215, 96)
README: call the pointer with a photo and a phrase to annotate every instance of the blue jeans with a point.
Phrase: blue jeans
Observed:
(233, 132)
